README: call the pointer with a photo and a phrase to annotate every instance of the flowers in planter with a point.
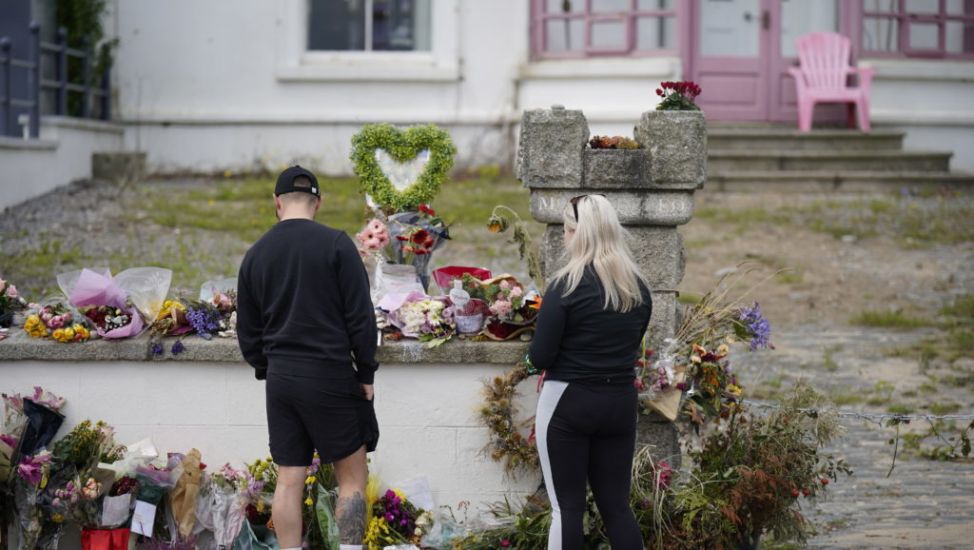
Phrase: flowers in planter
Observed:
(678, 96)
(613, 142)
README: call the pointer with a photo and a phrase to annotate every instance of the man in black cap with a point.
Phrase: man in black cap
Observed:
(306, 323)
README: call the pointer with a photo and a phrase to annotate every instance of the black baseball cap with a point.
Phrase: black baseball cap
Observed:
(286, 182)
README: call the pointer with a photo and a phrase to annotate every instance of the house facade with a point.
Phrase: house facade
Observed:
(256, 84)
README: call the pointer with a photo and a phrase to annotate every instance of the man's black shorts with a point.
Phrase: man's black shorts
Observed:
(329, 415)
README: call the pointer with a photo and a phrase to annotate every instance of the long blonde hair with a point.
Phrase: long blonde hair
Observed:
(599, 241)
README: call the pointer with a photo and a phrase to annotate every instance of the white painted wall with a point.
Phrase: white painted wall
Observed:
(933, 101)
(199, 95)
(63, 154)
(427, 416)
(231, 86)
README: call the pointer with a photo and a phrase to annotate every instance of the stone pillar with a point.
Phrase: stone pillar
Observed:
(651, 188)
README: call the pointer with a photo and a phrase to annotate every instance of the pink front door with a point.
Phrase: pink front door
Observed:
(740, 50)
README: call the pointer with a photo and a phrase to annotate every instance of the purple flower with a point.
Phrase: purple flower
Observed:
(390, 517)
(203, 320)
(757, 327)
(178, 347)
(157, 348)
(31, 467)
(10, 440)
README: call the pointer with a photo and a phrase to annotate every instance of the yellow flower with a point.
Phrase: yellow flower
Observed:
(310, 480)
(260, 507)
(308, 502)
(81, 333)
(59, 335)
(735, 390)
(35, 327)
(68, 334)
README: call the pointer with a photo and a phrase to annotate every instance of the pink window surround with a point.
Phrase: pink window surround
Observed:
(905, 19)
(540, 17)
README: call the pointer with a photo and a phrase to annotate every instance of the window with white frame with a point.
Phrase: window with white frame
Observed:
(369, 25)
(918, 28)
(581, 28)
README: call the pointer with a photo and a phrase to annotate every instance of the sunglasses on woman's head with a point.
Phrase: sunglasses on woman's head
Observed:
(574, 202)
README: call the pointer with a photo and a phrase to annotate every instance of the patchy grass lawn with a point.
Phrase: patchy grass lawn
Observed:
(201, 229)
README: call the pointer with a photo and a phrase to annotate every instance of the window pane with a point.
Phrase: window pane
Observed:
(923, 6)
(655, 5)
(801, 18)
(956, 7)
(730, 29)
(924, 36)
(336, 25)
(880, 34)
(401, 25)
(564, 6)
(610, 6)
(656, 33)
(564, 35)
(960, 37)
(609, 35)
(882, 6)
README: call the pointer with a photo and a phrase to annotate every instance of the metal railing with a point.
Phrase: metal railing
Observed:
(38, 54)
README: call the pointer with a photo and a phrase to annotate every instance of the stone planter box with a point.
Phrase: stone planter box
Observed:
(677, 145)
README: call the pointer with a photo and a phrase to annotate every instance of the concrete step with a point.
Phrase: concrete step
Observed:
(830, 180)
(726, 160)
(736, 138)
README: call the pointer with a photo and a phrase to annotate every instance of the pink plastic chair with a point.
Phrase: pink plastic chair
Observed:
(822, 77)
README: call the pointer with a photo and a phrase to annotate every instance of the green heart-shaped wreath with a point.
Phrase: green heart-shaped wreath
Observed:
(402, 146)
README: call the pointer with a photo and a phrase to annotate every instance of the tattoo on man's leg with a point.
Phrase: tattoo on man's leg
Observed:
(350, 512)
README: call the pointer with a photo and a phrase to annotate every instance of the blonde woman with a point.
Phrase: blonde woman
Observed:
(588, 336)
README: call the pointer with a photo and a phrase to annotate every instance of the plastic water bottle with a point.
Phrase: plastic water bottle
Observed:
(458, 296)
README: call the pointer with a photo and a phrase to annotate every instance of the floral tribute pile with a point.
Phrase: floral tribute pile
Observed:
(95, 304)
(749, 472)
(116, 493)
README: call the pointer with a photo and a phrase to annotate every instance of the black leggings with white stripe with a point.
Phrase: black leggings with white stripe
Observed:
(587, 432)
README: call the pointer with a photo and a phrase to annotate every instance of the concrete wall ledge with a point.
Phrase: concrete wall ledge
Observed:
(21, 347)
(27, 144)
(86, 124)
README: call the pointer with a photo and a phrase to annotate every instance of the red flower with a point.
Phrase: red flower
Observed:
(427, 210)
(640, 385)
(421, 251)
(649, 353)
(659, 92)
(505, 543)
(420, 236)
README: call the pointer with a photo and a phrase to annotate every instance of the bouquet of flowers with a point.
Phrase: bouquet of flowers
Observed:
(117, 305)
(407, 238)
(10, 303)
(56, 321)
(428, 319)
(261, 480)
(513, 310)
(171, 320)
(221, 508)
(396, 521)
(215, 313)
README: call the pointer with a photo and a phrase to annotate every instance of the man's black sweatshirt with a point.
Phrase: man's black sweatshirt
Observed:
(303, 304)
